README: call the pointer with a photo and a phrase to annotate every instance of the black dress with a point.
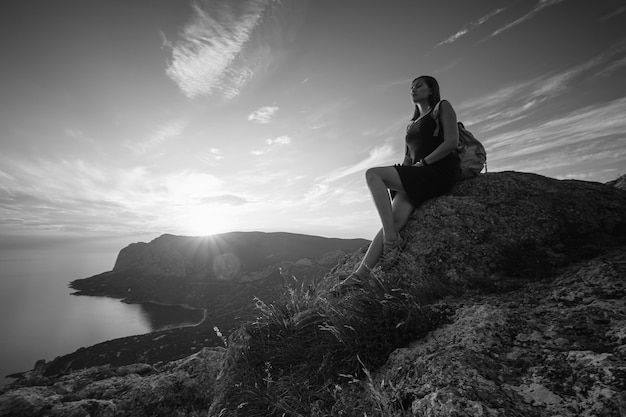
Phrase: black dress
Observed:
(435, 179)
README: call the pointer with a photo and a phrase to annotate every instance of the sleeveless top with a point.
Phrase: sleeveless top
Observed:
(420, 137)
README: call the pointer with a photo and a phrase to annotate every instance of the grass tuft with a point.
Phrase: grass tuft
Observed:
(305, 351)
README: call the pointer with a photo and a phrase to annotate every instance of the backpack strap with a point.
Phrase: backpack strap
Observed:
(435, 112)
(435, 115)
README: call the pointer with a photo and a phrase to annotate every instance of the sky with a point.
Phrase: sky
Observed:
(134, 118)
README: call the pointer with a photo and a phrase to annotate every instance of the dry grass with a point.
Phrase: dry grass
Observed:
(303, 354)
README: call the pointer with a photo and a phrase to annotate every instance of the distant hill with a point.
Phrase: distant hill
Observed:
(230, 256)
(195, 270)
(222, 273)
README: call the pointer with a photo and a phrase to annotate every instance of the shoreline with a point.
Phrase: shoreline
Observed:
(129, 300)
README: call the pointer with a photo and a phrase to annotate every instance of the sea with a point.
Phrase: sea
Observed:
(41, 319)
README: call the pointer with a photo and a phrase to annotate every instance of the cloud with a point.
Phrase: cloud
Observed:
(272, 143)
(46, 194)
(207, 58)
(211, 156)
(263, 115)
(540, 6)
(382, 155)
(517, 101)
(611, 68)
(225, 199)
(159, 135)
(74, 133)
(614, 13)
(281, 140)
(470, 26)
(591, 138)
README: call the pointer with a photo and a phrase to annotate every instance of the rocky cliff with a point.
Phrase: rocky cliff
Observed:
(229, 256)
(508, 301)
(207, 272)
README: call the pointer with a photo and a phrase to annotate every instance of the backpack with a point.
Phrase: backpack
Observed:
(471, 152)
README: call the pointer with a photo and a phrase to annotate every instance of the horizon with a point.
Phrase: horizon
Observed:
(124, 121)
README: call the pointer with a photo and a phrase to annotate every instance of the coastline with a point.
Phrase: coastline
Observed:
(130, 300)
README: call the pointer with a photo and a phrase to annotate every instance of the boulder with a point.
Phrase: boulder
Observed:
(500, 229)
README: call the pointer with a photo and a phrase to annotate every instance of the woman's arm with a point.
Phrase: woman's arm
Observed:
(448, 125)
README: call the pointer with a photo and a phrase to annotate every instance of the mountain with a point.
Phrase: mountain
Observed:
(233, 256)
(507, 301)
(194, 270)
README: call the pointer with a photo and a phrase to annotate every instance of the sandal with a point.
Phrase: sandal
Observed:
(354, 282)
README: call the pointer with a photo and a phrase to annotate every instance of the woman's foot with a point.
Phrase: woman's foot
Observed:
(354, 282)
(393, 248)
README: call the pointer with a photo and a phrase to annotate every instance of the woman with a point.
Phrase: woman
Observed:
(429, 169)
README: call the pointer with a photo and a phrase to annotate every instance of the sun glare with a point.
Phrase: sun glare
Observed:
(201, 227)
(203, 223)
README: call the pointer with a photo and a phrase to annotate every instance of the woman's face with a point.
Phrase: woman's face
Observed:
(419, 90)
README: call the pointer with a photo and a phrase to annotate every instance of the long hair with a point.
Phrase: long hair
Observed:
(435, 95)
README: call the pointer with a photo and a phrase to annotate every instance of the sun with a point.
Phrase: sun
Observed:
(203, 223)
(202, 226)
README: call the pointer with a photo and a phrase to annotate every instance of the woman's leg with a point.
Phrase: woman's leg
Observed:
(402, 209)
(379, 181)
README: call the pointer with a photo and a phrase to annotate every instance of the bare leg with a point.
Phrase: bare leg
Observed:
(379, 181)
(401, 209)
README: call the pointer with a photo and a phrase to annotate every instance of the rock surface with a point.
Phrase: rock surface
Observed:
(184, 387)
(534, 271)
(619, 183)
(555, 348)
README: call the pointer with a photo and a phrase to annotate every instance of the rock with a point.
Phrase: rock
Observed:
(619, 183)
(542, 359)
(181, 388)
(502, 228)
(27, 401)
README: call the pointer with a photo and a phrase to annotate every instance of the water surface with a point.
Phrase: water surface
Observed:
(39, 319)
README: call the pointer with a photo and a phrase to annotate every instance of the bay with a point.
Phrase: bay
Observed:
(40, 319)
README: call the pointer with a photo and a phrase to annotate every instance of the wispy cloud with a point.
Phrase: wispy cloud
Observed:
(540, 6)
(612, 67)
(378, 156)
(614, 13)
(470, 26)
(205, 59)
(211, 156)
(46, 194)
(159, 135)
(281, 140)
(263, 115)
(517, 101)
(589, 137)
(74, 133)
(225, 199)
(272, 143)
